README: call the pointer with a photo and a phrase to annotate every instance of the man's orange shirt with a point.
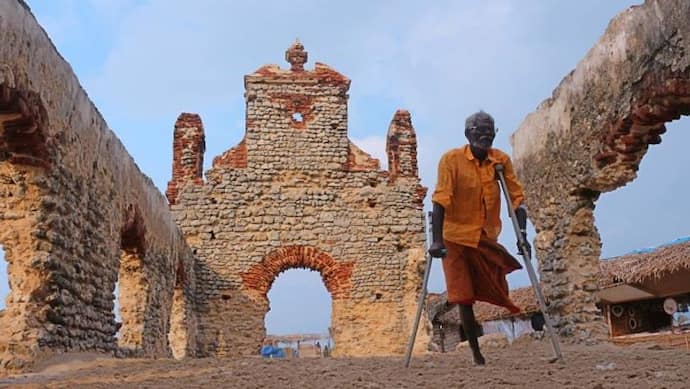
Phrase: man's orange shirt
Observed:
(469, 192)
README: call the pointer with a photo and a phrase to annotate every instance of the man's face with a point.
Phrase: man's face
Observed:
(481, 136)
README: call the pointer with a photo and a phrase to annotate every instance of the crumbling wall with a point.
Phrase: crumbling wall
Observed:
(590, 137)
(73, 207)
(295, 192)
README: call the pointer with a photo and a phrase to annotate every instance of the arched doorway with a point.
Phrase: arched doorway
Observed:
(336, 275)
(178, 335)
(25, 159)
(299, 315)
(132, 283)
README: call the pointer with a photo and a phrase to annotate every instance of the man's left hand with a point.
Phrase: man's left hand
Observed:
(526, 245)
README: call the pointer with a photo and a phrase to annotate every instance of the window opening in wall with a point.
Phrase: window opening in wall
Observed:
(299, 317)
(116, 309)
(4, 281)
(297, 117)
(132, 291)
(178, 335)
(133, 282)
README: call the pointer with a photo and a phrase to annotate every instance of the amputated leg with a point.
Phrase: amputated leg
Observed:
(469, 325)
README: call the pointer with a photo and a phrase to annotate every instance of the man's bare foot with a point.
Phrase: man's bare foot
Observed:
(479, 360)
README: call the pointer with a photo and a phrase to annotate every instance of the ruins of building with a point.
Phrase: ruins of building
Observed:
(589, 137)
(297, 193)
(294, 193)
(75, 223)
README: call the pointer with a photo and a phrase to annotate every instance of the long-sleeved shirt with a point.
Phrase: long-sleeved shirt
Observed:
(470, 194)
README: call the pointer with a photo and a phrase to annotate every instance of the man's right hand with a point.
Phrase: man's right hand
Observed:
(437, 250)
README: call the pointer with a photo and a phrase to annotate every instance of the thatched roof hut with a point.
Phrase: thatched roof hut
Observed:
(295, 338)
(438, 310)
(634, 286)
(646, 265)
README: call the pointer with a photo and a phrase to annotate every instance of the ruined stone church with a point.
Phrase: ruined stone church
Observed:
(78, 217)
(297, 193)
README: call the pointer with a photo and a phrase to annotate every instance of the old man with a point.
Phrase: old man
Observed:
(466, 223)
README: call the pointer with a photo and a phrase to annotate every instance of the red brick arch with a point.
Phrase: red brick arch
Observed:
(336, 274)
(661, 96)
(22, 125)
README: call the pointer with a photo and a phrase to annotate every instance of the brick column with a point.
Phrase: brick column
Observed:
(189, 145)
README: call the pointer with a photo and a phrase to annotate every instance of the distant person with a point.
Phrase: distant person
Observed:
(466, 223)
(318, 346)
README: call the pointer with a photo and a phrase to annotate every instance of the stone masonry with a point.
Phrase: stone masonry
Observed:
(590, 137)
(297, 193)
(76, 217)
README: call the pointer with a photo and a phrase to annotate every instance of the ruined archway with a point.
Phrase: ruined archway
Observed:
(25, 161)
(132, 282)
(299, 312)
(650, 210)
(590, 137)
(336, 275)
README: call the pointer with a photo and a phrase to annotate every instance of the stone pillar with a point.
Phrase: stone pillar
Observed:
(589, 137)
(401, 146)
(189, 145)
(568, 248)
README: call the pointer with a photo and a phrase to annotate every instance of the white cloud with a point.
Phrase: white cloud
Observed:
(172, 54)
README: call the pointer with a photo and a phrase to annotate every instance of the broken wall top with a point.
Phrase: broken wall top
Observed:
(31, 64)
(593, 131)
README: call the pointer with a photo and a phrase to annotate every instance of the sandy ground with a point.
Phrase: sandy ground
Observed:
(523, 364)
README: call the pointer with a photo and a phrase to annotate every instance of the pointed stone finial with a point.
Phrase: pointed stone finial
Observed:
(296, 56)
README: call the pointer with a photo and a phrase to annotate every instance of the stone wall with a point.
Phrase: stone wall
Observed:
(296, 193)
(590, 137)
(76, 216)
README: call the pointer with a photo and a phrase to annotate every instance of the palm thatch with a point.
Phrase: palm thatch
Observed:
(295, 338)
(437, 307)
(638, 267)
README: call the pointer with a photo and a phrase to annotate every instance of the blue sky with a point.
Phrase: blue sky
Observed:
(144, 62)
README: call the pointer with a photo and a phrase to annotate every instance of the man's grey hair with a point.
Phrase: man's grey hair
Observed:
(479, 118)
